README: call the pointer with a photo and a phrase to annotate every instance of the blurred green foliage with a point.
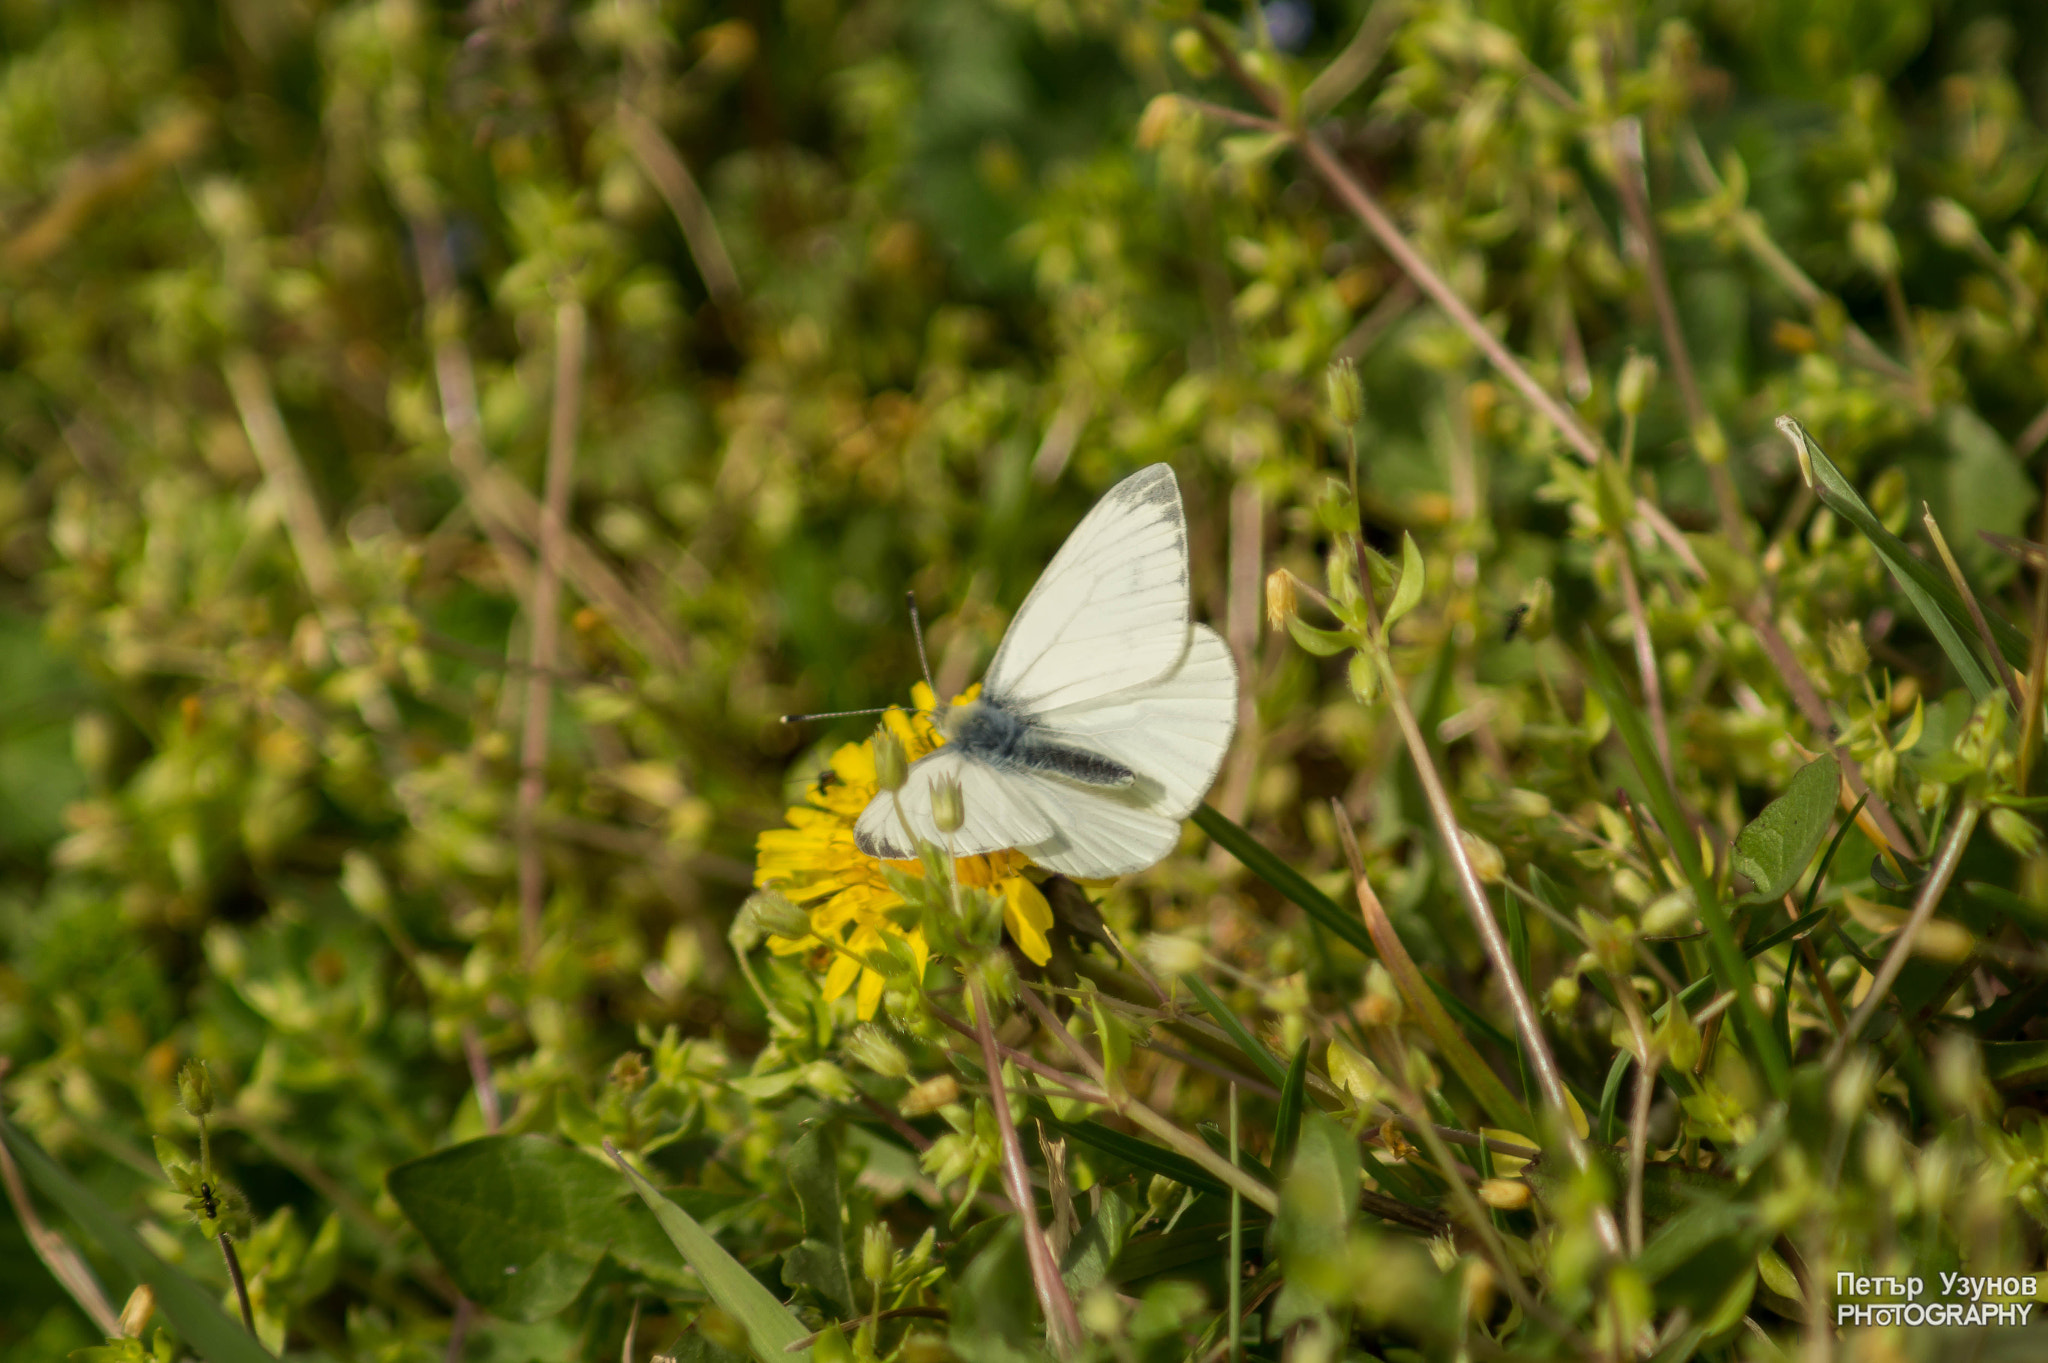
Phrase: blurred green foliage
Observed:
(841, 299)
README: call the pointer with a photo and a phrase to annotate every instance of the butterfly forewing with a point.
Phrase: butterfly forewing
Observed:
(1110, 611)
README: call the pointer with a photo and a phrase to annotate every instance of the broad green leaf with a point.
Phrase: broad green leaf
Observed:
(819, 1262)
(189, 1307)
(770, 1328)
(520, 1222)
(1409, 590)
(1776, 847)
(1318, 1201)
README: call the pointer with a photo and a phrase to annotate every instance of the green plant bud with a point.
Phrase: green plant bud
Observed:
(827, 1080)
(1160, 1193)
(892, 768)
(745, 933)
(1846, 649)
(1283, 602)
(1363, 673)
(1102, 1315)
(1487, 862)
(924, 1099)
(1193, 53)
(1612, 943)
(363, 885)
(870, 1046)
(1679, 1039)
(876, 1253)
(1355, 1074)
(1347, 395)
(1953, 225)
(195, 1088)
(776, 916)
(1382, 997)
(1638, 376)
(1528, 806)
(1562, 996)
(2016, 831)
(1164, 116)
(949, 805)
(1668, 915)
(1874, 247)
(1504, 1194)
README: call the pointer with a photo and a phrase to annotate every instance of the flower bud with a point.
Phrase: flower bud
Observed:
(1282, 601)
(776, 916)
(135, 1314)
(871, 1046)
(1562, 996)
(195, 1088)
(949, 805)
(1846, 649)
(1355, 1074)
(1953, 225)
(1381, 1006)
(1668, 915)
(892, 768)
(1487, 862)
(2016, 831)
(928, 1097)
(1638, 373)
(1505, 1194)
(1193, 54)
(1164, 115)
(1364, 675)
(1529, 806)
(876, 1253)
(1347, 395)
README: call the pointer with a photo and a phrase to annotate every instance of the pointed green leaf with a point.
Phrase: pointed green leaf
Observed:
(1324, 643)
(1254, 1050)
(1100, 1241)
(1287, 1128)
(1776, 847)
(188, 1306)
(1409, 590)
(770, 1328)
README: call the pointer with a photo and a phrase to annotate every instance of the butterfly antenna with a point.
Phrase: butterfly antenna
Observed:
(917, 632)
(839, 714)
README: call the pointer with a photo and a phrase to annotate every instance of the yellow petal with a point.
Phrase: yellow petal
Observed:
(1027, 916)
(871, 984)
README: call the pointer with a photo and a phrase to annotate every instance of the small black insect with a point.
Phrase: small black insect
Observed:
(207, 1201)
(827, 779)
(1514, 626)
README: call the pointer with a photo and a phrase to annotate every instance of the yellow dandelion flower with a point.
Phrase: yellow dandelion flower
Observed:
(815, 863)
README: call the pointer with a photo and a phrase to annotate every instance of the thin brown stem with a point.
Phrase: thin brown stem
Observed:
(66, 1265)
(1931, 890)
(664, 165)
(458, 1330)
(544, 609)
(234, 1263)
(480, 1077)
(1062, 1325)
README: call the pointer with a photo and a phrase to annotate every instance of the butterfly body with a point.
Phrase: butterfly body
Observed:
(1105, 715)
(991, 732)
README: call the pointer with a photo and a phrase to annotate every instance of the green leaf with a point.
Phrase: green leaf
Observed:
(1140, 1154)
(1254, 1050)
(1089, 1257)
(1348, 927)
(819, 1262)
(1409, 590)
(1938, 603)
(1324, 643)
(1318, 1200)
(1287, 1126)
(188, 1306)
(1729, 963)
(2015, 1064)
(1776, 847)
(770, 1328)
(520, 1222)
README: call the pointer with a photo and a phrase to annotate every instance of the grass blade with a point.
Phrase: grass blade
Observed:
(192, 1310)
(1729, 963)
(1287, 1129)
(770, 1328)
(1254, 1050)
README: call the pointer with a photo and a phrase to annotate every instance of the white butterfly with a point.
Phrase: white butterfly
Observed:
(1103, 719)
